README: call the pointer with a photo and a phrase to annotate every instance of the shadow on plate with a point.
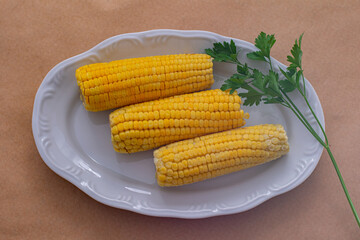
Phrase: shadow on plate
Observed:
(99, 118)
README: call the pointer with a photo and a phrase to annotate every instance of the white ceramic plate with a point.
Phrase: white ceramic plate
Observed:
(76, 144)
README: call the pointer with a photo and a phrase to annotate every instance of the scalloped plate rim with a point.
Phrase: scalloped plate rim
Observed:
(165, 212)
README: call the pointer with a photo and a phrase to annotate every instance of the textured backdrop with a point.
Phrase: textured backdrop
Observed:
(35, 203)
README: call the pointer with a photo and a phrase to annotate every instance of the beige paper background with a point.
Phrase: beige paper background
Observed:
(35, 203)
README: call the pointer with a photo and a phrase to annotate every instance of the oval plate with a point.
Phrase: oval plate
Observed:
(76, 144)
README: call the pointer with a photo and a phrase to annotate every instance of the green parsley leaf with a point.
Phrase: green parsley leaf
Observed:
(252, 96)
(223, 52)
(243, 69)
(289, 75)
(258, 55)
(259, 81)
(264, 42)
(273, 87)
(259, 86)
(298, 75)
(270, 100)
(287, 86)
(269, 88)
(236, 81)
(296, 55)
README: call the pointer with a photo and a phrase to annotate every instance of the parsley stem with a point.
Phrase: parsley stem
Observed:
(274, 91)
(343, 185)
(317, 120)
(271, 67)
(303, 79)
(326, 146)
(285, 105)
(312, 111)
(237, 62)
(303, 119)
(305, 123)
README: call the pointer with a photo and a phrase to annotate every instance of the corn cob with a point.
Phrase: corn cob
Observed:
(152, 124)
(119, 83)
(217, 154)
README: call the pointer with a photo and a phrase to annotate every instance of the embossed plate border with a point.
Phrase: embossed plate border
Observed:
(225, 195)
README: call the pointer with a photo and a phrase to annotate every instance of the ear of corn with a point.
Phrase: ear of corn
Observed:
(120, 83)
(156, 123)
(217, 154)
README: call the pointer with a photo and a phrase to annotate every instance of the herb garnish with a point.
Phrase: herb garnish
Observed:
(271, 88)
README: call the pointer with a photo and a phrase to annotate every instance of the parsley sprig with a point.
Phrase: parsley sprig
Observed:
(273, 87)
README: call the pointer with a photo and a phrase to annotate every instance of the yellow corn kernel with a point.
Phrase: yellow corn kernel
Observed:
(225, 152)
(171, 119)
(130, 81)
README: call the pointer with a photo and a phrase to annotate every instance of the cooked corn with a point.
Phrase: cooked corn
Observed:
(119, 83)
(217, 154)
(152, 124)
